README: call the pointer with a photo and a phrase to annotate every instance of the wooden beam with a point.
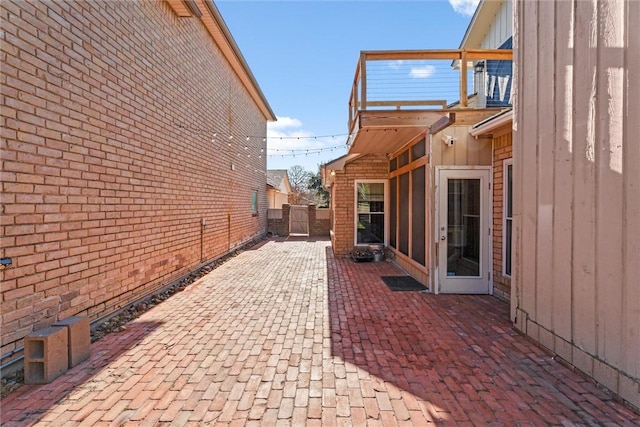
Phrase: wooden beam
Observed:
(411, 54)
(451, 54)
(495, 54)
(463, 79)
(193, 7)
(436, 102)
(442, 124)
(409, 167)
(363, 81)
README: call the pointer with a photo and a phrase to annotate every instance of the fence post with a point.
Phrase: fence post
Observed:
(286, 208)
(311, 213)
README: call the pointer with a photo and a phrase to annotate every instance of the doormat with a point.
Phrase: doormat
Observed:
(403, 283)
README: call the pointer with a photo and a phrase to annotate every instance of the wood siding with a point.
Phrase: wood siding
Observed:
(467, 151)
(501, 28)
(576, 185)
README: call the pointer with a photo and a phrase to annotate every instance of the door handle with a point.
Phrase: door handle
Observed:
(443, 238)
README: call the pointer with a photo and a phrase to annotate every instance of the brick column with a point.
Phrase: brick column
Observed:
(311, 214)
(286, 208)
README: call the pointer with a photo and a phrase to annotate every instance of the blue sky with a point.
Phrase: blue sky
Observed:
(304, 53)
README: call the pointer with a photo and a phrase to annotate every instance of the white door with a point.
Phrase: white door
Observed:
(463, 231)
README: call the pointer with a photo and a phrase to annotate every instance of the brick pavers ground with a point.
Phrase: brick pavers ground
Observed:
(284, 334)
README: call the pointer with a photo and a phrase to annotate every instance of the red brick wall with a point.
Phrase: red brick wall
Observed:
(372, 166)
(502, 150)
(109, 161)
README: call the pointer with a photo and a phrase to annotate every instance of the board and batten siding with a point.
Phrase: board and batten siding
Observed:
(501, 28)
(577, 185)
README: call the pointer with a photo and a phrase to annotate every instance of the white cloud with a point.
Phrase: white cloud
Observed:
(284, 123)
(288, 133)
(422, 72)
(396, 64)
(464, 7)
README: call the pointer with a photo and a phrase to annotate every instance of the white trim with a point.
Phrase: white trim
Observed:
(487, 209)
(505, 163)
(493, 124)
(385, 213)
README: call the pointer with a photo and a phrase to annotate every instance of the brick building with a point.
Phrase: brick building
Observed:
(549, 185)
(124, 166)
(429, 178)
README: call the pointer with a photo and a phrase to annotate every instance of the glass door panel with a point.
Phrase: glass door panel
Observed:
(463, 227)
(463, 230)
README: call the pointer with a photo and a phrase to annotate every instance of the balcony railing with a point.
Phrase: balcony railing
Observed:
(430, 80)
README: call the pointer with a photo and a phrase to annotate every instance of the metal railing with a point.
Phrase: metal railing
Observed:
(424, 79)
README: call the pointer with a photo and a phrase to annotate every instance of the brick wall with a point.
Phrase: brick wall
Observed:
(109, 159)
(502, 150)
(279, 224)
(318, 222)
(372, 166)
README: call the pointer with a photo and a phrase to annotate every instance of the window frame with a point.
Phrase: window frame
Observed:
(506, 186)
(385, 211)
(254, 202)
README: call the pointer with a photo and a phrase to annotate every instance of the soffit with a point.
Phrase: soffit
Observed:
(221, 35)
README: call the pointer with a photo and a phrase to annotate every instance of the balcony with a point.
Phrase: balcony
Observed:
(397, 95)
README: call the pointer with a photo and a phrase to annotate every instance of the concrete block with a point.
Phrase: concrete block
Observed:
(564, 349)
(606, 375)
(545, 338)
(583, 361)
(46, 355)
(630, 391)
(79, 335)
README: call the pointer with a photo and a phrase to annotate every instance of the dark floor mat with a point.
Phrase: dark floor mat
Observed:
(403, 283)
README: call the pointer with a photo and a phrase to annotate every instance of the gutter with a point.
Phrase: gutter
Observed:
(491, 124)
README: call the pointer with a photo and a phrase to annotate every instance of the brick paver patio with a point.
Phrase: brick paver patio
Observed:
(284, 334)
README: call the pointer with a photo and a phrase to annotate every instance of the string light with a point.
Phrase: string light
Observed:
(275, 152)
(261, 137)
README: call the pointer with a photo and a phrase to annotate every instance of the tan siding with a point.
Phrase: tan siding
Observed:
(466, 151)
(584, 332)
(545, 135)
(563, 177)
(526, 168)
(631, 205)
(609, 189)
(577, 211)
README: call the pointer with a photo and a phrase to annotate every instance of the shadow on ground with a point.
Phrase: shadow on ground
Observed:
(30, 402)
(457, 354)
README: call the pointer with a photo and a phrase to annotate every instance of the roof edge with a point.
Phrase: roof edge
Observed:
(492, 123)
(238, 63)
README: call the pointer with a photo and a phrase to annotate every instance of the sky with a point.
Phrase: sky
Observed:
(303, 54)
